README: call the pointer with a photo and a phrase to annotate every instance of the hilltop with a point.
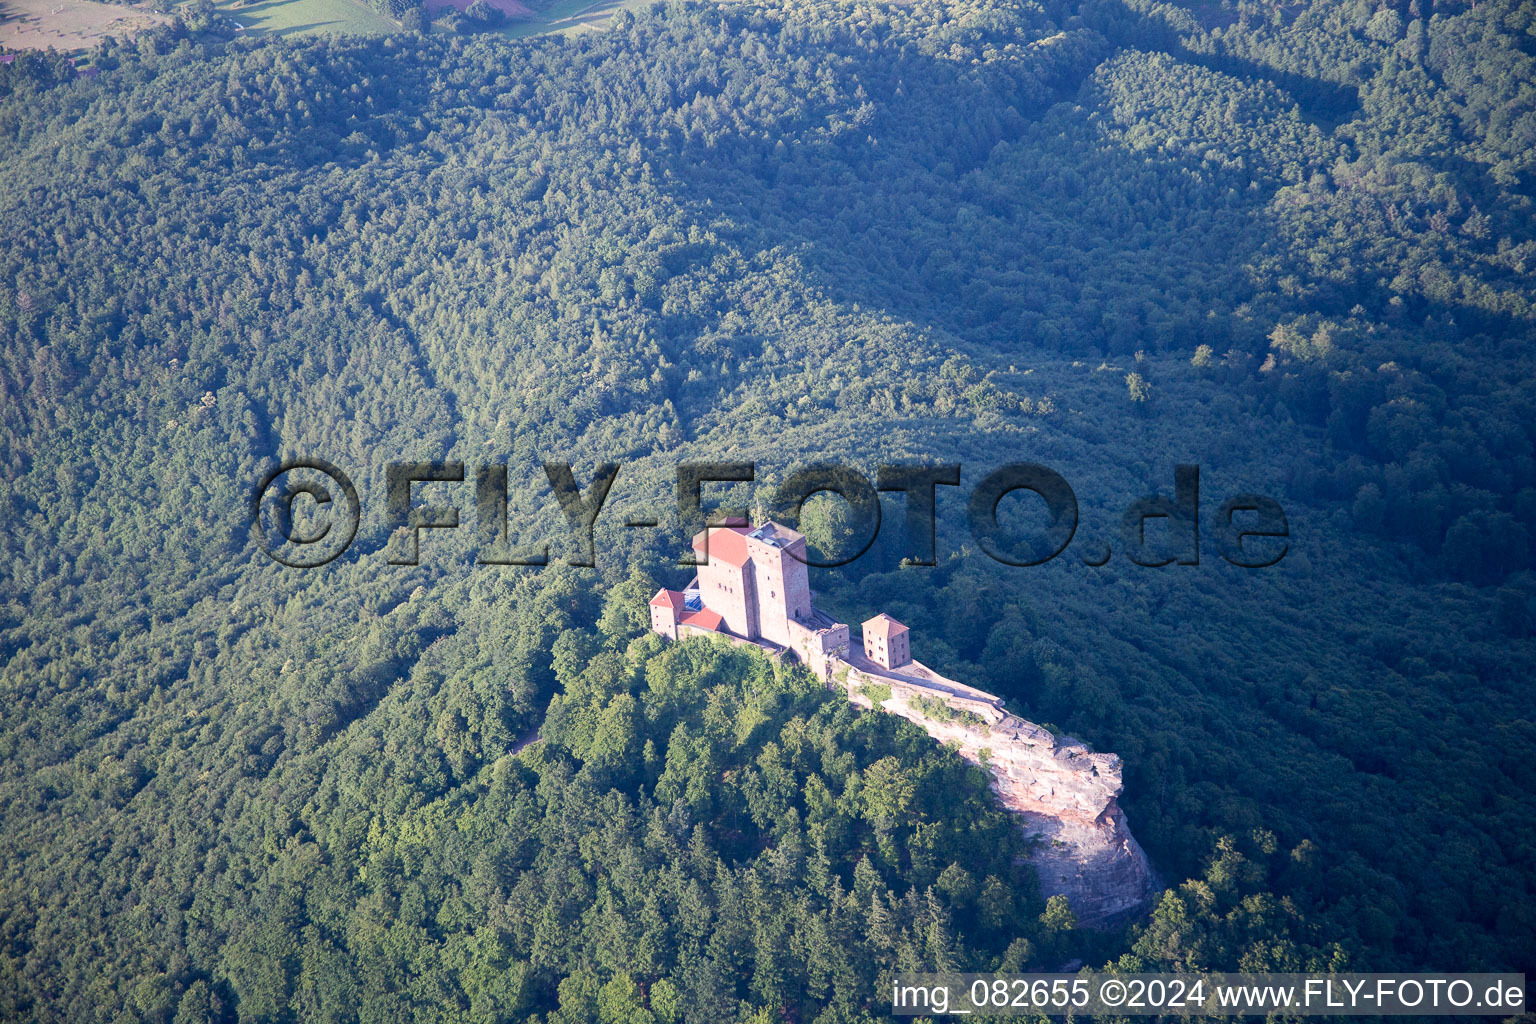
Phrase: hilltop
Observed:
(753, 591)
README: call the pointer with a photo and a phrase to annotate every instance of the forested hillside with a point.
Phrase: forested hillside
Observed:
(1294, 245)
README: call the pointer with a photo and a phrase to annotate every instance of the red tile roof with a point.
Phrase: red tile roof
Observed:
(665, 597)
(883, 625)
(705, 619)
(727, 544)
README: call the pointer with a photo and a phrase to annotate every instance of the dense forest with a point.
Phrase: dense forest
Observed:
(1294, 245)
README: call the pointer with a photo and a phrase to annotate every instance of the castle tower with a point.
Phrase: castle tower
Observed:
(783, 584)
(666, 607)
(727, 582)
(887, 642)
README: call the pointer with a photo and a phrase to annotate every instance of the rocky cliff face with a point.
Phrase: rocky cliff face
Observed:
(1063, 793)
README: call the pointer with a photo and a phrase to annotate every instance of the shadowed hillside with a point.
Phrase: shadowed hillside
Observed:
(930, 232)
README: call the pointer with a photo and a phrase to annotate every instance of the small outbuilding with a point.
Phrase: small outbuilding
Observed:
(887, 642)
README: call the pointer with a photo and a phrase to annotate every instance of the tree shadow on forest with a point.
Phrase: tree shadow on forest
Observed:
(1024, 226)
(1324, 103)
(1019, 226)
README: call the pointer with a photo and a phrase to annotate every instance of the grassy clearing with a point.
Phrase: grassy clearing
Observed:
(307, 17)
(302, 17)
(33, 24)
(570, 16)
(69, 24)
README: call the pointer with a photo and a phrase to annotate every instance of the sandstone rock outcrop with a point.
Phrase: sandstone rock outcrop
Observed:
(1063, 793)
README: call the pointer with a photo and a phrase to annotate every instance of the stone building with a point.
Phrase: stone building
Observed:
(887, 642)
(679, 613)
(778, 557)
(727, 580)
(753, 585)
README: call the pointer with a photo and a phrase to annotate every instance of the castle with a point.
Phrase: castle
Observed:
(753, 588)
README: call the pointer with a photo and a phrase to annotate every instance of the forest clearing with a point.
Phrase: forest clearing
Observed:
(74, 25)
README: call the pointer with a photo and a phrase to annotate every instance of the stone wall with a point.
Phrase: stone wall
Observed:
(1063, 793)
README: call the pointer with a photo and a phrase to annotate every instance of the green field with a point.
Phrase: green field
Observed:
(569, 16)
(307, 17)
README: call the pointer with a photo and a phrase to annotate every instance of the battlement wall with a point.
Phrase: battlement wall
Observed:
(1064, 793)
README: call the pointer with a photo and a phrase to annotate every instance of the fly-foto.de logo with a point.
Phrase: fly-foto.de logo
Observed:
(305, 513)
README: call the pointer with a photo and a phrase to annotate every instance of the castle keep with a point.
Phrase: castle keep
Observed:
(752, 585)
(753, 588)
